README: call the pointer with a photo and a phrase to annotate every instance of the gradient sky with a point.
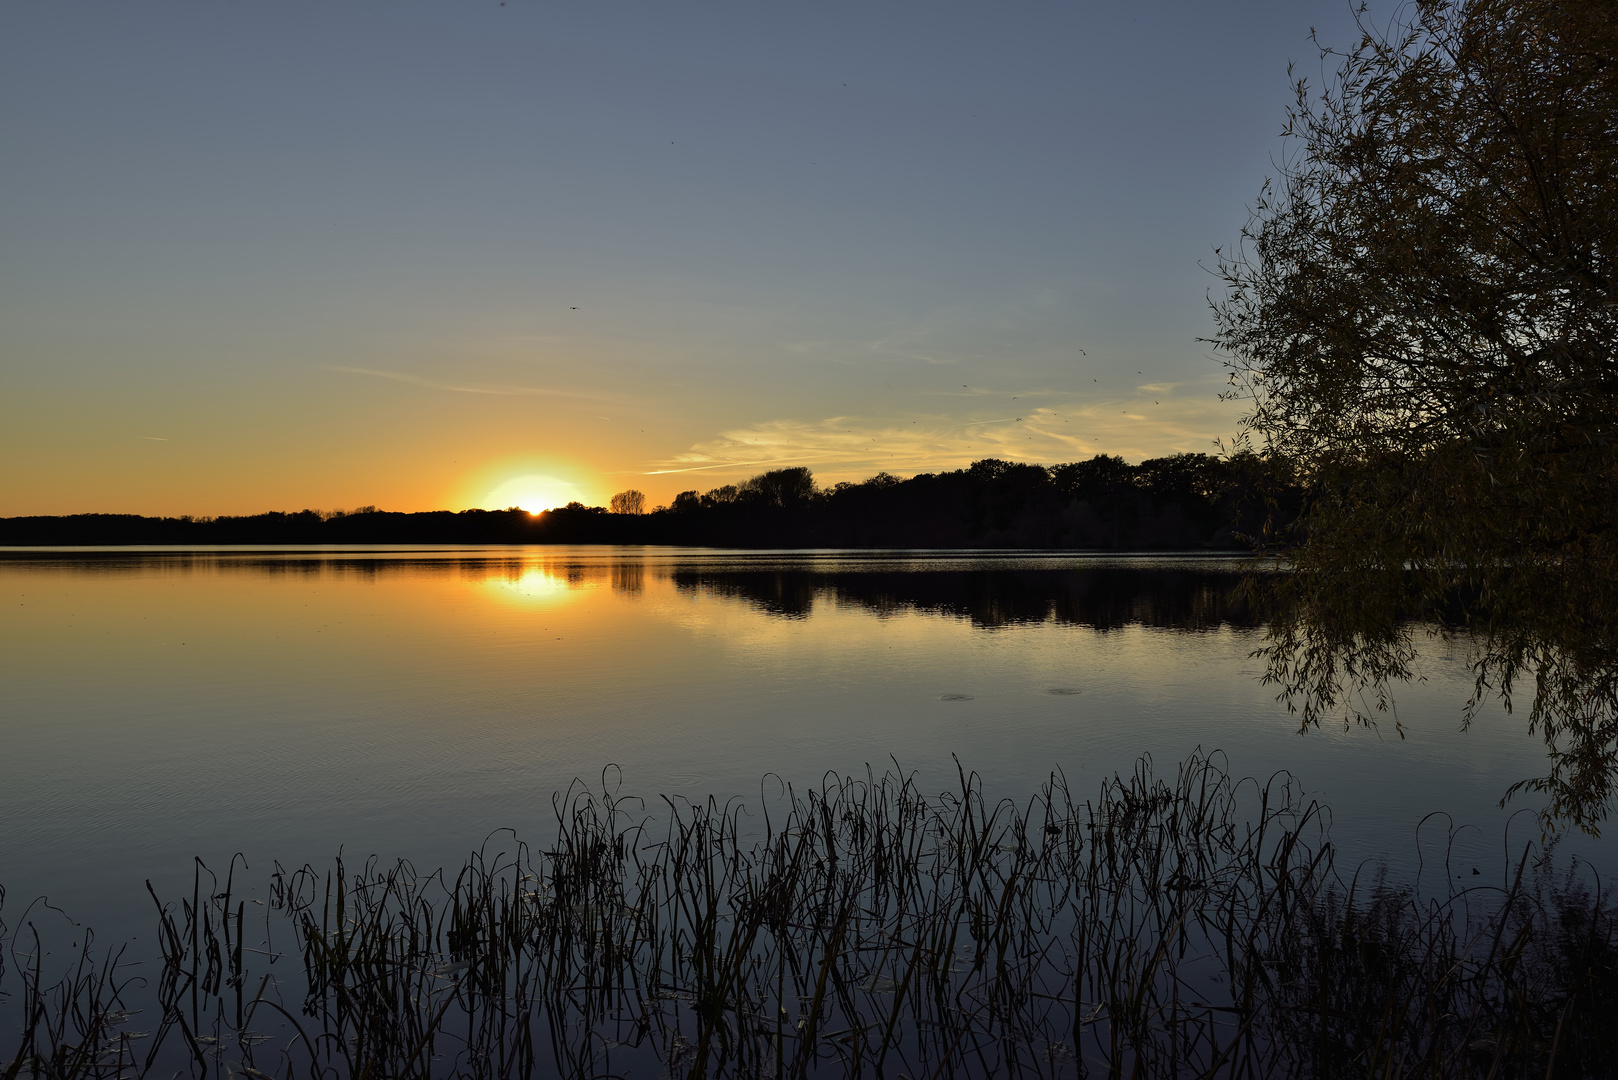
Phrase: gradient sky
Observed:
(270, 256)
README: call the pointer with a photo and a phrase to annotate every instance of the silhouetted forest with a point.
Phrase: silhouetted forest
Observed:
(1186, 502)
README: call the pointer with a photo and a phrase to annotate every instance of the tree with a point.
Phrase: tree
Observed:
(1422, 320)
(781, 487)
(627, 502)
(1104, 474)
(1183, 477)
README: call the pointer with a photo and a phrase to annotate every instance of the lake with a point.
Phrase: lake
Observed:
(288, 704)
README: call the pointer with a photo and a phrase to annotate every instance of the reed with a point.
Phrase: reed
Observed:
(1193, 925)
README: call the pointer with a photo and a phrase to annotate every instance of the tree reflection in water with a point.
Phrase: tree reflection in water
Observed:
(1340, 641)
(1338, 646)
(1194, 598)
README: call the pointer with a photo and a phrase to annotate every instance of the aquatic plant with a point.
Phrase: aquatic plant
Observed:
(1196, 925)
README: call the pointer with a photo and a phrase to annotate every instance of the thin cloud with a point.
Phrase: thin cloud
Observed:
(501, 391)
(856, 446)
(853, 447)
(777, 462)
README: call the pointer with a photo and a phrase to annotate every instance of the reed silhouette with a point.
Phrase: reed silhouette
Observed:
(1189, 925)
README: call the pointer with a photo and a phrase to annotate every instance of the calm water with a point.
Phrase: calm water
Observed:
(288, 704)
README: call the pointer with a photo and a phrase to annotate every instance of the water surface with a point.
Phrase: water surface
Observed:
(286, 704)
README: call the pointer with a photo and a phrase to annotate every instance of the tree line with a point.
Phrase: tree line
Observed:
(1183, 502)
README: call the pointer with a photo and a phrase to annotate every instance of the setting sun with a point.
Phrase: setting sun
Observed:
(533, 492)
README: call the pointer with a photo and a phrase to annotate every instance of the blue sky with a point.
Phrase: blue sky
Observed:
(274, 256)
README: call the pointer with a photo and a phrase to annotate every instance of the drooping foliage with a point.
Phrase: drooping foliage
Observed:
(1422, 319)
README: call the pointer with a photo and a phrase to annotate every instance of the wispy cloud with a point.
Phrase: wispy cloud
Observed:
(776, 463)
(854, 447)
(431, 384)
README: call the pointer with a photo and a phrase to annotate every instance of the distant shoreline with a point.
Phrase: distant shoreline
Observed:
(70, 550)
(779, 529)
(1184, 503)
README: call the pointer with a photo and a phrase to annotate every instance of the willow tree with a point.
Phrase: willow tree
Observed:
(1422, 318)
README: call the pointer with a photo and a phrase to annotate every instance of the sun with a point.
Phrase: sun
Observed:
(533, 492)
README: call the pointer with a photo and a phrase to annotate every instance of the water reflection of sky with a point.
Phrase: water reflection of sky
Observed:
(408, 702)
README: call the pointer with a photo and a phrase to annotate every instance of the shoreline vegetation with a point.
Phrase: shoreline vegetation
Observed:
(1185, 502)
(1188, 924)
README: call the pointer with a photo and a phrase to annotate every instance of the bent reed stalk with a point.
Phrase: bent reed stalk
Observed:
(1197, 926)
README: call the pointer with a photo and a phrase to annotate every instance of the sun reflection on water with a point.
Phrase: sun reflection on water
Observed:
(534, 583)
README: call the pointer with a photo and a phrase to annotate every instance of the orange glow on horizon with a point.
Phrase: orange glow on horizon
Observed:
(534, 483)
(533, 492)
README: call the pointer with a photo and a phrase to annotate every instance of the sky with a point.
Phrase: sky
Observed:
(446, 255)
